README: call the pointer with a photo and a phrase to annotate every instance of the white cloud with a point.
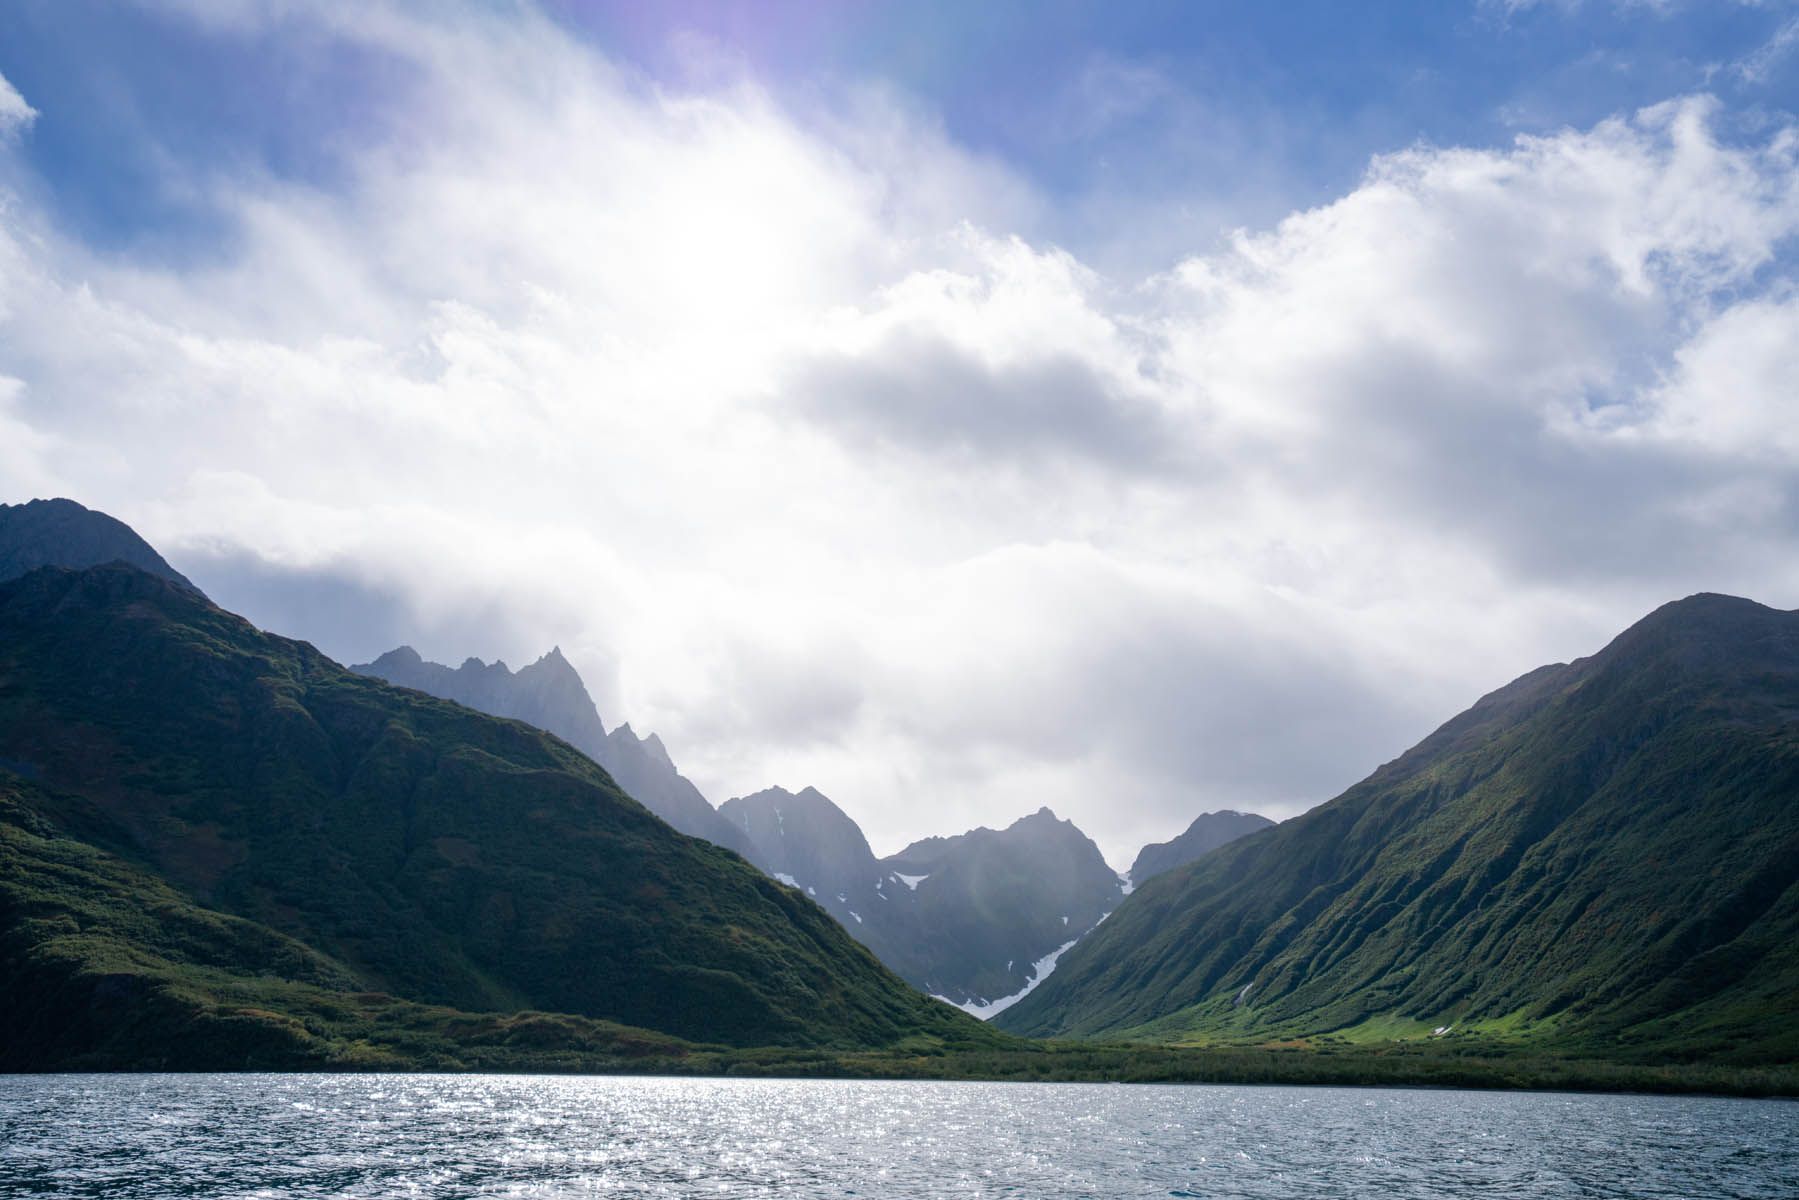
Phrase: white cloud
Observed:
(1759, 64)
(1732, 392)
(817, 468)
(15, 114)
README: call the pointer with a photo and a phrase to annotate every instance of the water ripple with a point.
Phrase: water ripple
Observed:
(268, 1136)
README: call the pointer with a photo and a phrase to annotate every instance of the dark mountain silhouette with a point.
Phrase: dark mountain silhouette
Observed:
(62, 533)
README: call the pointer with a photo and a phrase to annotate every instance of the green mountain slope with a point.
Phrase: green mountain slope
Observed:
(550, 695)
(277, 818)
(1602, 857)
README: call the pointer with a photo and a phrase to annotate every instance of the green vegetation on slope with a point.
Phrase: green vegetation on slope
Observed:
(109, 968)
(202, 819)
(1599, 860)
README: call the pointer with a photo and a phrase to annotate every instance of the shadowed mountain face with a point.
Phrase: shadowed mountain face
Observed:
(1601, 857)
(1208, 832)
(61, 533)
(967, 918)
(195, 815)
(807, 840)
(550, 695)
(999, 902)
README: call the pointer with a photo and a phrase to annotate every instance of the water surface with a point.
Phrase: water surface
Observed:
(485, 1135)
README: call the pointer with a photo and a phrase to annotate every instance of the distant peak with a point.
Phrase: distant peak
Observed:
(554, 663)
(654, 745)
(767, 795)
(400, 654)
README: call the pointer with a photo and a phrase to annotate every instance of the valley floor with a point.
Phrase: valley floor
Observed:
(542, 1043)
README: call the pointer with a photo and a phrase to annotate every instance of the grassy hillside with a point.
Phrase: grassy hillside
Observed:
(201, 818)
(1601, 859)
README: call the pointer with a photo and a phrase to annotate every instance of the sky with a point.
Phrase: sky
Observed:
(1136, 408)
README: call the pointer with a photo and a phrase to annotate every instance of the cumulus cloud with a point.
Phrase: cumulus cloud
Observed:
(816, 466)
(1010, 357)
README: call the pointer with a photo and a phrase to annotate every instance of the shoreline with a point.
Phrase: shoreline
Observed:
(1100, 1066)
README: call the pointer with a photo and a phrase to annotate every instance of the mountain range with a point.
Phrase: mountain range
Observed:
(550, 695)
(222, 848)
(1601, 858)
(974, 919)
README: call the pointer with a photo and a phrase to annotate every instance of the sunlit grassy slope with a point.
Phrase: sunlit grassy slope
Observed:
(1601, 859)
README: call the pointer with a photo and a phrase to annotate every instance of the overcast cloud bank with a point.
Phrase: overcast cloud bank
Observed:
(815, 466)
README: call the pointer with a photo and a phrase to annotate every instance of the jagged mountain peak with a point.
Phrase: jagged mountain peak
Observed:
(654, 745)
(968, 918)
(550, 694)
(556, 665)
(400, 655)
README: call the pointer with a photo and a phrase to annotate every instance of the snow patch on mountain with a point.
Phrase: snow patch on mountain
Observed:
(988, 1009)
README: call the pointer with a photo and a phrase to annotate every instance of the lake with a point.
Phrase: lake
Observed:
(449, 1136)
